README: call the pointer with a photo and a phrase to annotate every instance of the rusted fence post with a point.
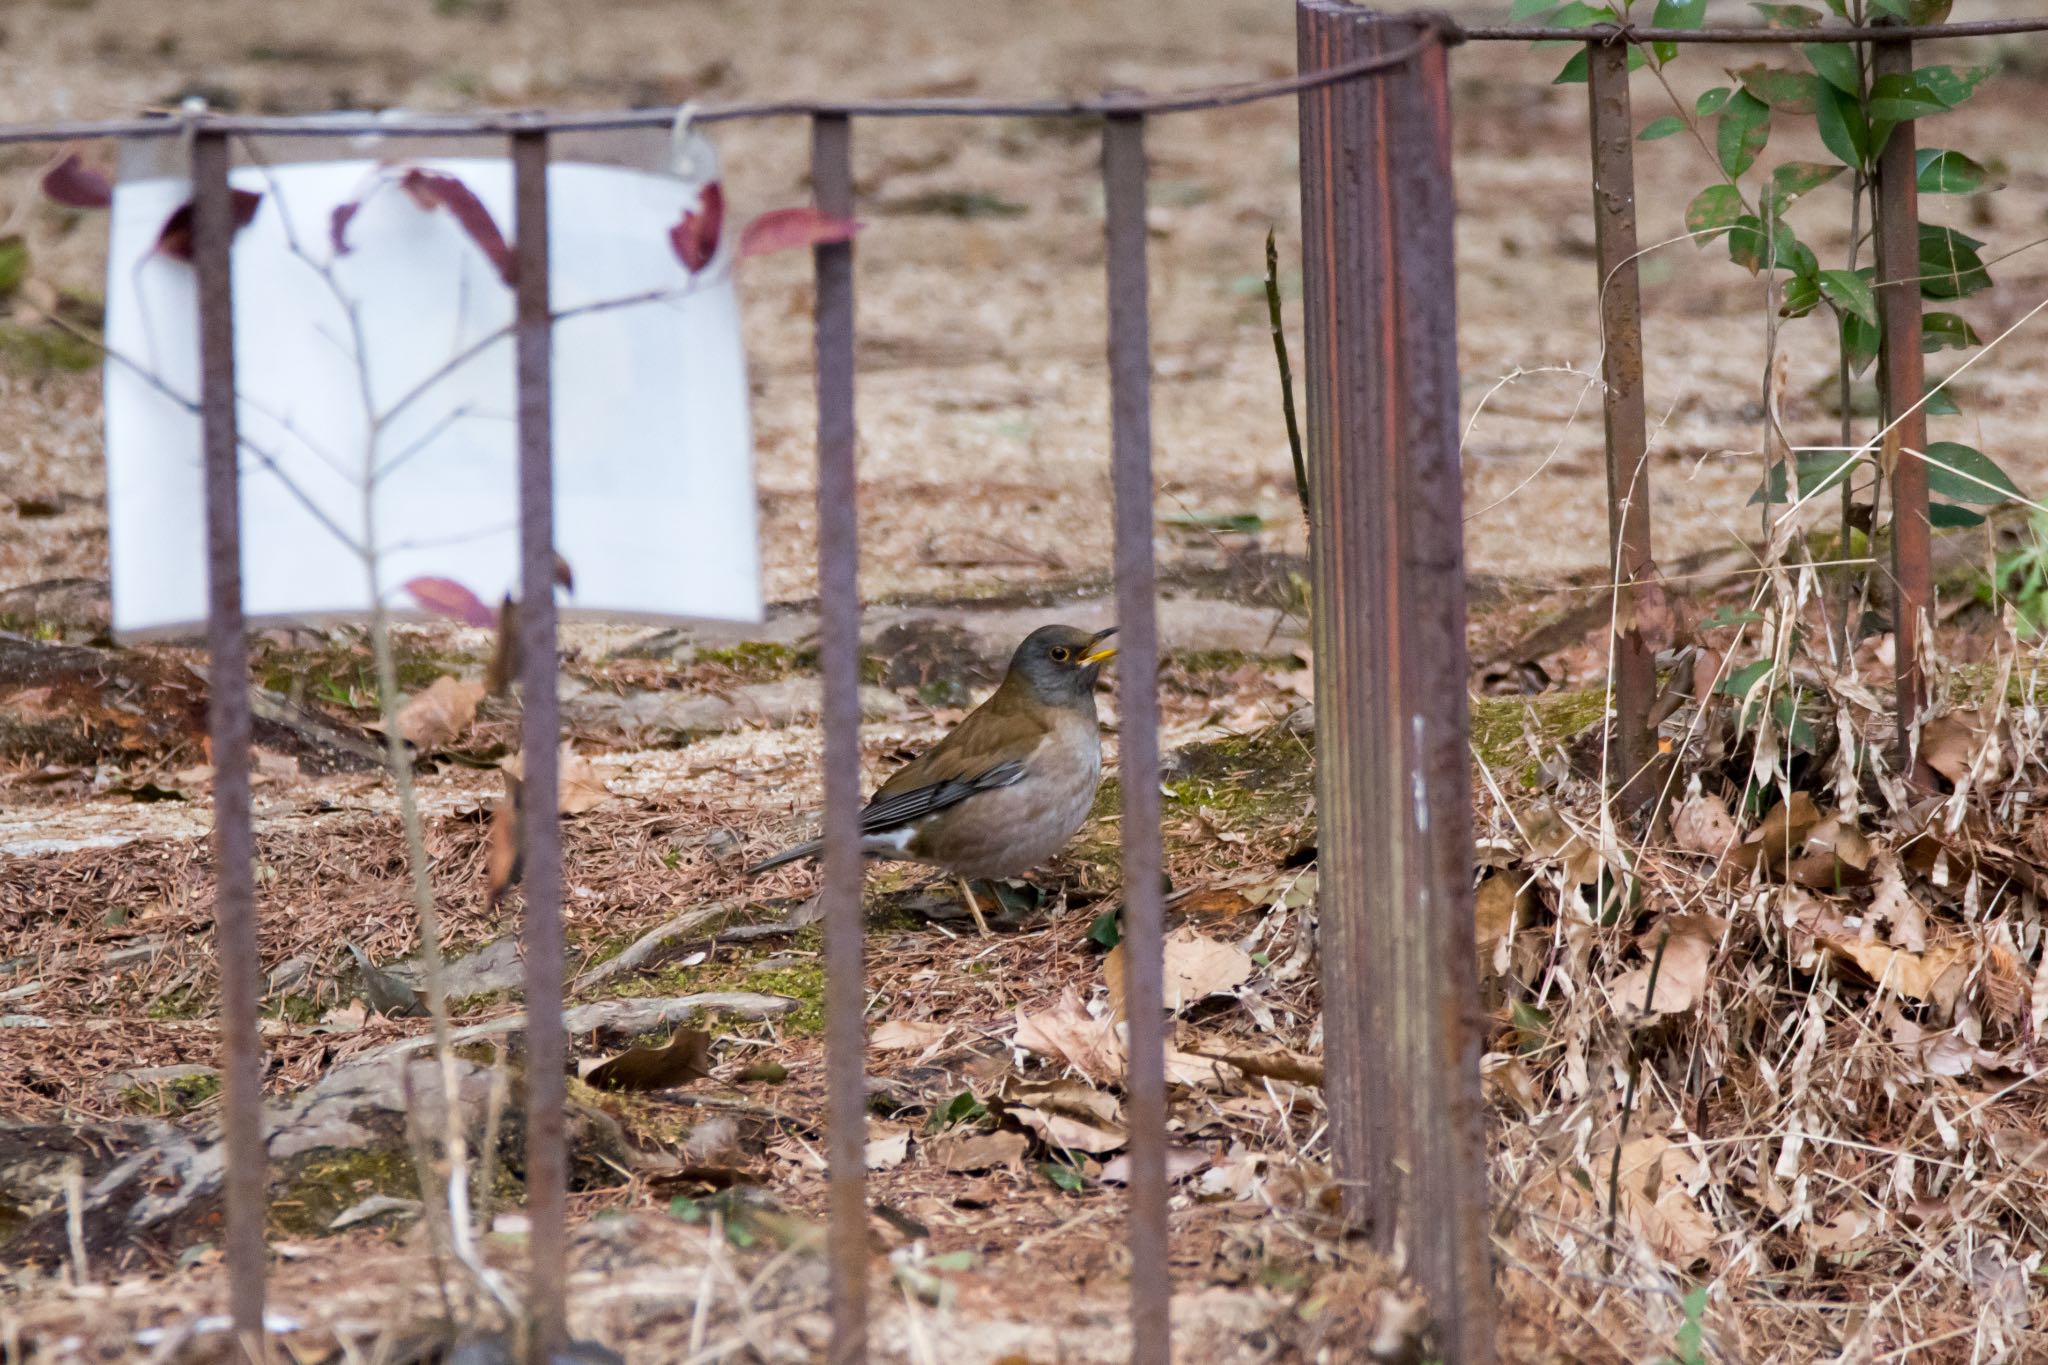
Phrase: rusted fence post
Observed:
(1401, 1004)
(547, 1162)
(1632, 776)
(1902, 373)
(246, 1180)
(839, 658)
(1130, 377)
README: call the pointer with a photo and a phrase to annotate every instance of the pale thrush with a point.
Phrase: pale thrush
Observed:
(1009, 786)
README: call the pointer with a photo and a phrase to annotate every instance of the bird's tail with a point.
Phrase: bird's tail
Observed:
(788, 855)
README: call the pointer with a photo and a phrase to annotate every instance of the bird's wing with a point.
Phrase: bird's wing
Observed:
(989, 749)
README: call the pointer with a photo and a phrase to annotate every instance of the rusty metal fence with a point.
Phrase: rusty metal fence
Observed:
(1402, 1019)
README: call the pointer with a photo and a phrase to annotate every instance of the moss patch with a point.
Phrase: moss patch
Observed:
(329, 1182)
(341, 672)
(44, 348)
(759, 660)
(1498, 725)
(172, 1097)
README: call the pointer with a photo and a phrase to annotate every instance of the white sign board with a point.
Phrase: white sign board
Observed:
(355, 359)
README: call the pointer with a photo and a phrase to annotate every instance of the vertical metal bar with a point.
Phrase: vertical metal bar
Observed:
(547, 1168)
(234, 850)
(1903, 378)
(1130, 378)
(839, 657)
(1439, 1024)
(1632, 778)
(1348, 312)
(1387, 558)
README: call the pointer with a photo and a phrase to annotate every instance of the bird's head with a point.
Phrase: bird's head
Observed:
(1060, 665)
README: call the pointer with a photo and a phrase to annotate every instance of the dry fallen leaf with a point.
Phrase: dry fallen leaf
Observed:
(1494, 914)
(1067, 1115)
(1181, 1162)
(578, 788)
(905, 1035)
(1656, 1202)
(434, 718)
(1905, 922)
(961, 1152)
(1278, 1063)
(581, 789)
(1681, 975)
(1950, 744)
(684, 1058)
(1196, 966)
(502, 851)
(1935, 976)
(1701, 824)
(887, 1146)
(1066, 1033)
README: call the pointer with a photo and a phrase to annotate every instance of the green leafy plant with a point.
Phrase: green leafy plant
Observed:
(1690, 1337)
(2020, 577)
(1747, 209)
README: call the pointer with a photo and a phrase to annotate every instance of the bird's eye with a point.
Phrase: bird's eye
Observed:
(1061, 654)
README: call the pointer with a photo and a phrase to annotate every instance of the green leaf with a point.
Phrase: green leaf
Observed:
(1948, 85)
(1788, 16)
(1895, 8)
(13, 264)
(1940, 402)
(1860, 342)
(1965, 474)
(1710, 101)
(1945, 172)
(1574, 71)
(1743, 680)
(1843, 129)
(1745, 128)
(1946, 332)
(1725, 615)
(1679, 14)
(1713, 210)
(1950, 267)
(1529, 9)
(1802, 296)
(1747, 244)
(1897, 99)
(1580, 15)
(1787, 91)
(1795, 178)
(1785, 710)
(1836, 63)
(1661, 127)
(1104, 930)
(1944, 516)
(1817, 471)
(1064, 1176)
(1850, 291)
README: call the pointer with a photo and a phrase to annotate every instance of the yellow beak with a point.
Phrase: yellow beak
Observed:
(1101, 651)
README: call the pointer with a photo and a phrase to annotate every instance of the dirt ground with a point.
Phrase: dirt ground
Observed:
(983, 413)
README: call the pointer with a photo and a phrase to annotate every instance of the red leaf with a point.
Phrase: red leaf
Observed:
(446, 597)
(781, 229)
(695, 238)
(76, 185)
(175, 237)
(436, 189)
(337, 225)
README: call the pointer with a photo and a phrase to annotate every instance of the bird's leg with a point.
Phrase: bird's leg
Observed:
(973, 907)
